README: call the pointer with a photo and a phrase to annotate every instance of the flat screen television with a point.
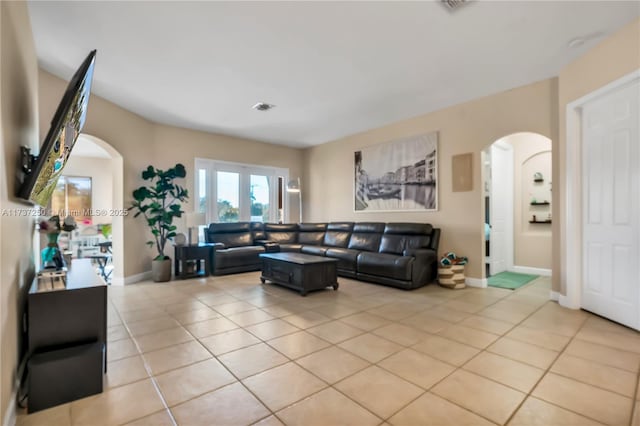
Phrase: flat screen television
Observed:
(41, 173)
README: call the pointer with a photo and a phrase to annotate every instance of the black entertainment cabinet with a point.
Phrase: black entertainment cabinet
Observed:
(67, 338)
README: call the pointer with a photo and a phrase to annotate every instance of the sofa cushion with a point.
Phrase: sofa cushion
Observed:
(347, 258)
(417, 234)
(281, 232)
(338, 234)
(257, 231)
(237, 256)
(408, 228)
(369, 227)
(311, 233)
(385, 265)
(236, 234)
(290, 247)
(314, 250)
(312, 227)
(311, 238)
(340, 226)
(366, 236)
(392, 244)
(400, 236)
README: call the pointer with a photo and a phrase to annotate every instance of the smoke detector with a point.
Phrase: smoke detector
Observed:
(454, 4)
(263, 106)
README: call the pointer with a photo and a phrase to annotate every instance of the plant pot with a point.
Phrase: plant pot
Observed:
(161, 270)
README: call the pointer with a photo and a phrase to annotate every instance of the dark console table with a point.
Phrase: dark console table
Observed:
(299, 271)
(67, 337)
(194, 260)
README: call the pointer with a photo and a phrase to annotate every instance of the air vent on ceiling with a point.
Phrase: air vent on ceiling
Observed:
(454, 4)
(263, 106)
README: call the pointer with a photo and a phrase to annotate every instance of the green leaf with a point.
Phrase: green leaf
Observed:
(150, 173)
(180, 171)
(158, 202)
(141, 194)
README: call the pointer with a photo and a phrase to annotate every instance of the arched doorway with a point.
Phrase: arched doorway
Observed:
(98, 160)
(517, 185)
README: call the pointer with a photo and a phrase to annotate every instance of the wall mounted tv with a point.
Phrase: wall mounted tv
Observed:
(40, 174)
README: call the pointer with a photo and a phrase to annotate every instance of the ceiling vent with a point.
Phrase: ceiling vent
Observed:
(263, 106)
(454, 4)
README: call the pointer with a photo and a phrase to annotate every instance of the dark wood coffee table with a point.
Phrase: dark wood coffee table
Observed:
(299, 271)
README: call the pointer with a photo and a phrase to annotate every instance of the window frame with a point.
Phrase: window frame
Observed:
(66, 208)
(245, 170)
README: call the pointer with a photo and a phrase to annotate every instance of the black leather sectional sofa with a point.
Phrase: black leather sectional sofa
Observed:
(402, 255)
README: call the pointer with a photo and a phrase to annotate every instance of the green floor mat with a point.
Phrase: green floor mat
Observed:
(510, 280)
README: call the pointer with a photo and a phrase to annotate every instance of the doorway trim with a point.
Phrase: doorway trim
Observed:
(117, 205)
(571, 243)
(509, 205)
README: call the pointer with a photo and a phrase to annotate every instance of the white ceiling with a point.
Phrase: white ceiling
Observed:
(332, 68)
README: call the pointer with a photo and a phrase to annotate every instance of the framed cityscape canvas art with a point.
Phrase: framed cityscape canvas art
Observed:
(401, 175)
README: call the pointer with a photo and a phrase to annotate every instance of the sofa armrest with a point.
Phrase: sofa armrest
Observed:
(425, 266)
(418, 252)
(218, 246)
(269, 246)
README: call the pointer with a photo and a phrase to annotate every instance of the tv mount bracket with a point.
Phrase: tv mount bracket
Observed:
(26, 159)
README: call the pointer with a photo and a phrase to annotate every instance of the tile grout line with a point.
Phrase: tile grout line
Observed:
(456, 368)
(168, 408)
(293, 360)
(364, 309)
(240, 381)
(546, 372)
(460, 367)
(149, 373)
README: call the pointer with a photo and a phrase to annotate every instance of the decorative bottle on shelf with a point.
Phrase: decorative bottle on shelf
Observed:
(51, 254)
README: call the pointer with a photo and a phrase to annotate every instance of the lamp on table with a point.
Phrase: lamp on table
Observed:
(294, 186)
(194, 222)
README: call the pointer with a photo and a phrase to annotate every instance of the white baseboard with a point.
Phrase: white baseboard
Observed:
(568, 303)
(10, 415)
(476, 282)
(554, 295)
(137, 278)
(532, 271)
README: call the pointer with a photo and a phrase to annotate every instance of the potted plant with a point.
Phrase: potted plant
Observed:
(159, 203)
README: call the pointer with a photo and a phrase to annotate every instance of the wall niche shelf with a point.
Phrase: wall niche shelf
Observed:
(540, 221)
(538, 203)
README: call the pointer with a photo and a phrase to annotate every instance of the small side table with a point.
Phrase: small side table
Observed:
(200, 255)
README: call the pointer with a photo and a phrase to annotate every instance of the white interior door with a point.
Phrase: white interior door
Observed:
(611, 206)
(501, 216)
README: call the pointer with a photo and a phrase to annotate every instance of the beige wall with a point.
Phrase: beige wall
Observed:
(18, 127)
(612, 59)
(100, 170)
(532, 241)
(141, 143)
(469, 127)
(130, 135)
(182, 145)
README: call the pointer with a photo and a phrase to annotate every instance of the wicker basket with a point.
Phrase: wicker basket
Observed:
(451, 276)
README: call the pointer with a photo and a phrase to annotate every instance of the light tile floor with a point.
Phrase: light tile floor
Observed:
(230, 351)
